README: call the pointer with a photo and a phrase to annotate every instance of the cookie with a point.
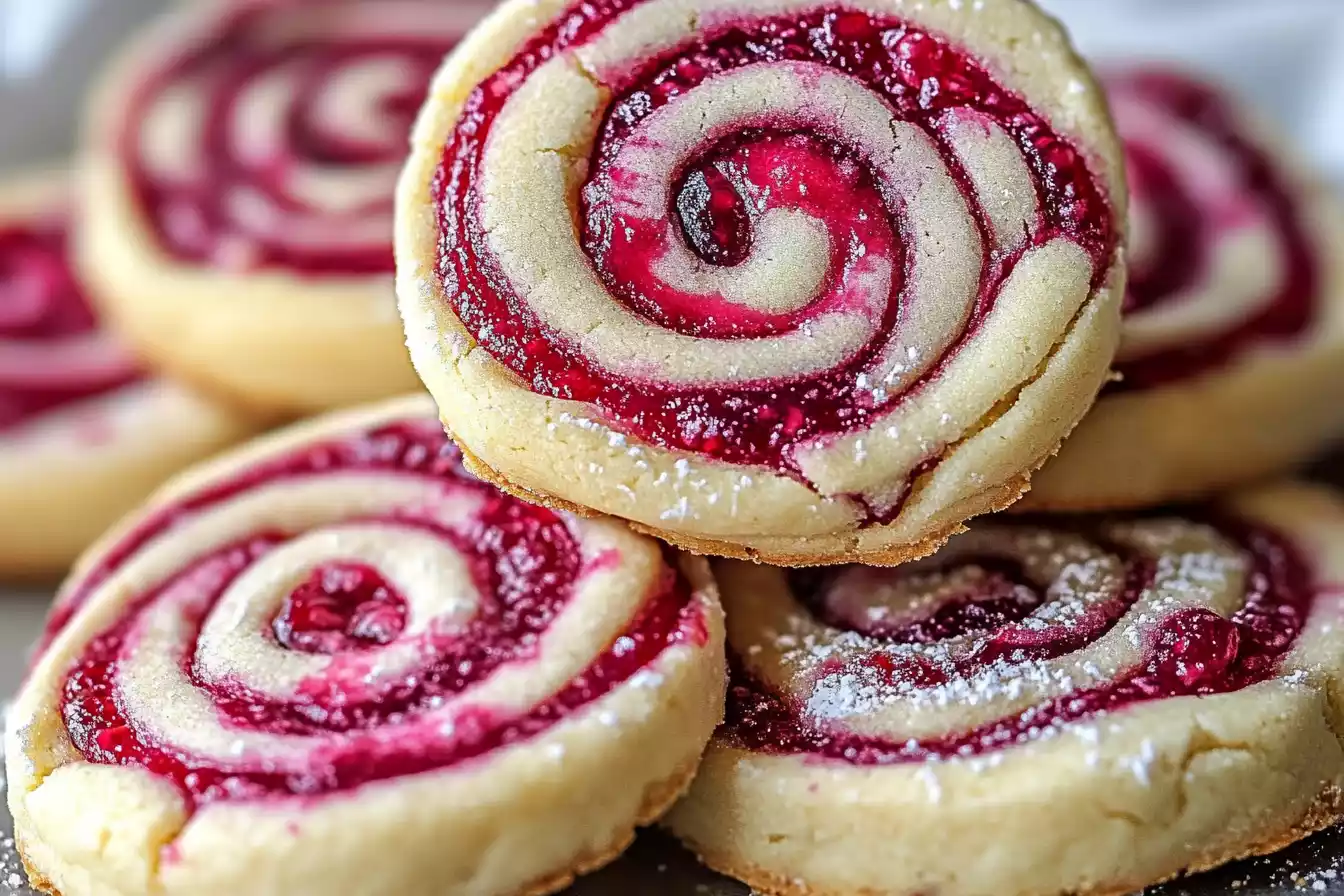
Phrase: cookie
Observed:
(241, 166)
(1232, 358)
(1046, 706)
(767, 281)
(334, 662)
(85, 432)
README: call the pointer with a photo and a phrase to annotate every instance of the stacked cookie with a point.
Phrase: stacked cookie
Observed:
(806, 285)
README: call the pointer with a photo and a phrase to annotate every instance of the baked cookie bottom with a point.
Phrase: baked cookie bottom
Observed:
(658, 798)
(1325, 811)
(991, 501)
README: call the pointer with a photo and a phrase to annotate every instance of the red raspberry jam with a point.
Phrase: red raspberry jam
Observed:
(524, 561)
(341, 606)
(244, 191)
(46, 357)
(1191, 652)
(1185, 231)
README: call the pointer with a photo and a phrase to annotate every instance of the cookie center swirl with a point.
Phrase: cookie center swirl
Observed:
(339, 607)
(51, 351)
(973, 597)
(1009, 635)
(786, 223)
(357, 611)
(1220, 254)
(276, 140)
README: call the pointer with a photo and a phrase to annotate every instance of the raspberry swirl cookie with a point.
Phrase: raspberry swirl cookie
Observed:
(780, 279)
(85, 434)
(336, 663)
(243, 161)
(1232, 355)
(1043, 707)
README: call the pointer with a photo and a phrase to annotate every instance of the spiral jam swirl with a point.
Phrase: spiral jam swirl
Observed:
(273, 140)
(353, 610)
(1221, 257)
(1010, 634)
(51, 350)
(788, 223)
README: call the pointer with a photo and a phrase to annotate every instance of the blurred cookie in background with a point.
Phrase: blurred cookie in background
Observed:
(1232, 360)
(242, 158)
(1283, 56)
(85, 431)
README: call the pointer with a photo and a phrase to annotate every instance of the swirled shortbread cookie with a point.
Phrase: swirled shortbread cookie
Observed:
(1046, 706)
(242, 160)
(334, 662)
(777, 279)
(85, 432)
(1232, 356)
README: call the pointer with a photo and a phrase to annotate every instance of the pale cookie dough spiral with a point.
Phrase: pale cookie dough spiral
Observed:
(242, 164)
(1045, 706)
(770, 278)
(85, 432)
(1232, 356)
(337, 663)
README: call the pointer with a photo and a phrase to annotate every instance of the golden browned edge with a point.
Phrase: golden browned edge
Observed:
(1327, 808)
(658, 798)
(996, 499)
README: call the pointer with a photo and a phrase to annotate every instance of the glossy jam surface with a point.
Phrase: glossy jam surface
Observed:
(1192, 651)
(301, 108)
(1184, 232)
(49, 355)
(524, 562)
(341, 606)
(719, 197)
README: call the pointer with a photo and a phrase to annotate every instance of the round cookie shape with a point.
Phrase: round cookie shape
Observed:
(1047, 705)
(242, 164)
(336, 662)
(85, 432)
(798, 282)
(1232, 355)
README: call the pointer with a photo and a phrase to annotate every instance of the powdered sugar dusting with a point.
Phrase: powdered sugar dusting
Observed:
(1012, 634)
